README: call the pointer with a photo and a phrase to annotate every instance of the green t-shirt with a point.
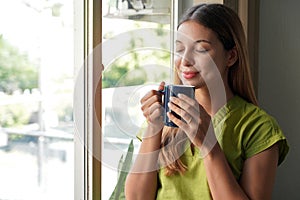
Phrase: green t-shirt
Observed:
(242, 130)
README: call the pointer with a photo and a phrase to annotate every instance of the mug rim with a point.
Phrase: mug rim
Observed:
(179, 85)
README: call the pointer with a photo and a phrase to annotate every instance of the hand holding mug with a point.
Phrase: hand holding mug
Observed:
(195, 121)
(153, 110)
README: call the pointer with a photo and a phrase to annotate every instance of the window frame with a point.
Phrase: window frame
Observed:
(87, 143)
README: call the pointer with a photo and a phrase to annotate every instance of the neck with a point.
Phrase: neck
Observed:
(212, 102)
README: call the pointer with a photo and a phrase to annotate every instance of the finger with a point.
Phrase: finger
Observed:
(188, 128)
(177, 121)
(155, 107)
(184, 97)
(146, 107)
(195, 109)
(161, 86)
(147, 96)
(154, 92)
(188, 100)
(155, 112)
(150, 98)
(186, 116)
(150, 109)
(191, 107)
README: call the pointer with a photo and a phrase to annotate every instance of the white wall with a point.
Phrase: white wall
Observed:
(279, 82)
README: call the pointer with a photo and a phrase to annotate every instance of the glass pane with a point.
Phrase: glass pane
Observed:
(136, 57)
(36, 92)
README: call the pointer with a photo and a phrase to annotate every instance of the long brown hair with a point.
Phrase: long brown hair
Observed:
(228, 27)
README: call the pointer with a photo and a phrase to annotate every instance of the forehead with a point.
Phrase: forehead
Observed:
(193, 31)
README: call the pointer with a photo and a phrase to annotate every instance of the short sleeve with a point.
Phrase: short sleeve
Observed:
(261, 133)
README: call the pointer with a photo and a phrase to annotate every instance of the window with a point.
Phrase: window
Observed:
(137, 39)
(136, 53)
(36, 92)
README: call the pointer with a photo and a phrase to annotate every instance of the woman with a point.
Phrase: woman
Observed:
(234, 147)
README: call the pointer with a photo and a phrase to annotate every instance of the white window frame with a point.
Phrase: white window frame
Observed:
(87, 140)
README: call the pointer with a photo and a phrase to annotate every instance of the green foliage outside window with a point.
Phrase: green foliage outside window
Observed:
(13, 115)
(16, 71)
(129, 69)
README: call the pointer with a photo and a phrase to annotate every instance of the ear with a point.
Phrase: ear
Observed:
(232, 56)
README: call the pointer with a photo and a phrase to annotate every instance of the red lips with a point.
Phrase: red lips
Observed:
(189, 75)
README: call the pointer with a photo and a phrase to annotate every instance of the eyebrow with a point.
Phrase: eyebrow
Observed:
(197, 41)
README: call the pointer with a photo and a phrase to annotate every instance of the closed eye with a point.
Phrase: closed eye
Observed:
(202, 46)
(179, 50)
(201, 50)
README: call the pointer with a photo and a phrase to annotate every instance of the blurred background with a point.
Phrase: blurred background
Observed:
(36, 99)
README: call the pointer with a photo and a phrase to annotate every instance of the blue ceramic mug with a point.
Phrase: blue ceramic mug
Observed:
(174, 90)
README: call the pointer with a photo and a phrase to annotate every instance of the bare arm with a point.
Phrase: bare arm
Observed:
(141, 182)
(259, 174)
(257, 177)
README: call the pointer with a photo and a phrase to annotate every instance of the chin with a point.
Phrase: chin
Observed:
(194, 83)
(186, 82)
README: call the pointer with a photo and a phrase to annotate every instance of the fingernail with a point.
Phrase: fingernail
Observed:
(161, 91)
(172, 98)
(169, 114)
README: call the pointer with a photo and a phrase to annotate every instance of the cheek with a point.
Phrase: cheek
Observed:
(177, 61)
(208, 68)
(203, 63)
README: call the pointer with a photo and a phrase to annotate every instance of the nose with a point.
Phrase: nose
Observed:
(187, 59)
